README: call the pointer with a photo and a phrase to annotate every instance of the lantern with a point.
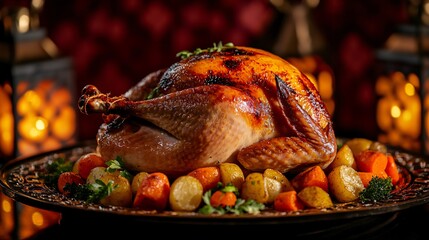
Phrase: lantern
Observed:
(45, 116)
(37, 113)
(402, 90)
(37, 90)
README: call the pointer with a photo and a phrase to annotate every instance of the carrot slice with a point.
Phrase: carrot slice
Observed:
(68, 178)
(153, 193)
(86, 163)
(208, 176)
(313, 176)
(371, 161)
(288, 201)
(367, 176)
(223, 199)
(392, 170)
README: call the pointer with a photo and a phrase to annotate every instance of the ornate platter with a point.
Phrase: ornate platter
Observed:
(20, 180)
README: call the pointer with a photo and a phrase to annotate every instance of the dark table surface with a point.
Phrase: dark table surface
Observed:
(409, 224)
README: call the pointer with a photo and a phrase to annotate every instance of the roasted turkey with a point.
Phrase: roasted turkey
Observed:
(240, 104)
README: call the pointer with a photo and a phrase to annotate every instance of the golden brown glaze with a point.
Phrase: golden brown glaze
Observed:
(241, 104)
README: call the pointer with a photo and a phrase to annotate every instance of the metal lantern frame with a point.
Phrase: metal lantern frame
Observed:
(59, 71)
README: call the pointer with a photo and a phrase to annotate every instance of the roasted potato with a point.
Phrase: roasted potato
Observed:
(315, 197)
(186, 194)
(345, 183)
(254, 187)
(137, 180)
(231, 173)
(121, 194)
(358, 144)
(275, 183)
(378, 146)
(95, 173)
(344, 157)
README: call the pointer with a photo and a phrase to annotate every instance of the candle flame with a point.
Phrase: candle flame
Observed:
(409, 89)
(395, 111)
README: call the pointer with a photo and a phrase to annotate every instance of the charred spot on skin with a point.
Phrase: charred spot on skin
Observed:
(231, 64)
(216, 79)
(237, 52)
(166, 80)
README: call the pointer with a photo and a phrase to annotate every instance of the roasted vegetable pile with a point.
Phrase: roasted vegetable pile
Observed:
(362, 171)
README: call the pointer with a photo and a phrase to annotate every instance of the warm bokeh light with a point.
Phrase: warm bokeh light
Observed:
(61, 97)
(33, 128)
(6, 216)
(383, 86)
(46, 117)
(409, 89)
(399, 110)
(6, 121)
(37, 218)
(63, 127)
(414, 80)
(32, 220)
(31, 101)
(395, 111)
(325, 85)
(49, 111)
(23, 18)
(6, 206)
(384, 121)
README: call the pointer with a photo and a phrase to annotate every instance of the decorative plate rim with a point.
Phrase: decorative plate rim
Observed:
(20, 181)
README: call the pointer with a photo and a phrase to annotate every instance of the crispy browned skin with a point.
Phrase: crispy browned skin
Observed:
(241, 104)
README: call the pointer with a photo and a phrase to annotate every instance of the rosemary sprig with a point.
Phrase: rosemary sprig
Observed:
(216, 48)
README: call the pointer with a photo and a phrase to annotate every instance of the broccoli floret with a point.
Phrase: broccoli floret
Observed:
(378, 189)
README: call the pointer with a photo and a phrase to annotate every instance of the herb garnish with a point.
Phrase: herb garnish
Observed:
(118, 165)
(378, 189)
(54, 170)
(241, 206)
(90, 193)
(216, 48)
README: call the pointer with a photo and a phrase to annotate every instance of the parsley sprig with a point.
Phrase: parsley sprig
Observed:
(90, 193)
(94, 192)
(241, 206)
(118, 165)
(216, 48)
(54, 170)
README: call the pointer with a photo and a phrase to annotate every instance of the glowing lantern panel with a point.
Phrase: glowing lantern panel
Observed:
(399, 110)
(6, 121)
(45, 113)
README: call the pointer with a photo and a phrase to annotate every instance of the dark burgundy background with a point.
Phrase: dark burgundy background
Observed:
(116, 43)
